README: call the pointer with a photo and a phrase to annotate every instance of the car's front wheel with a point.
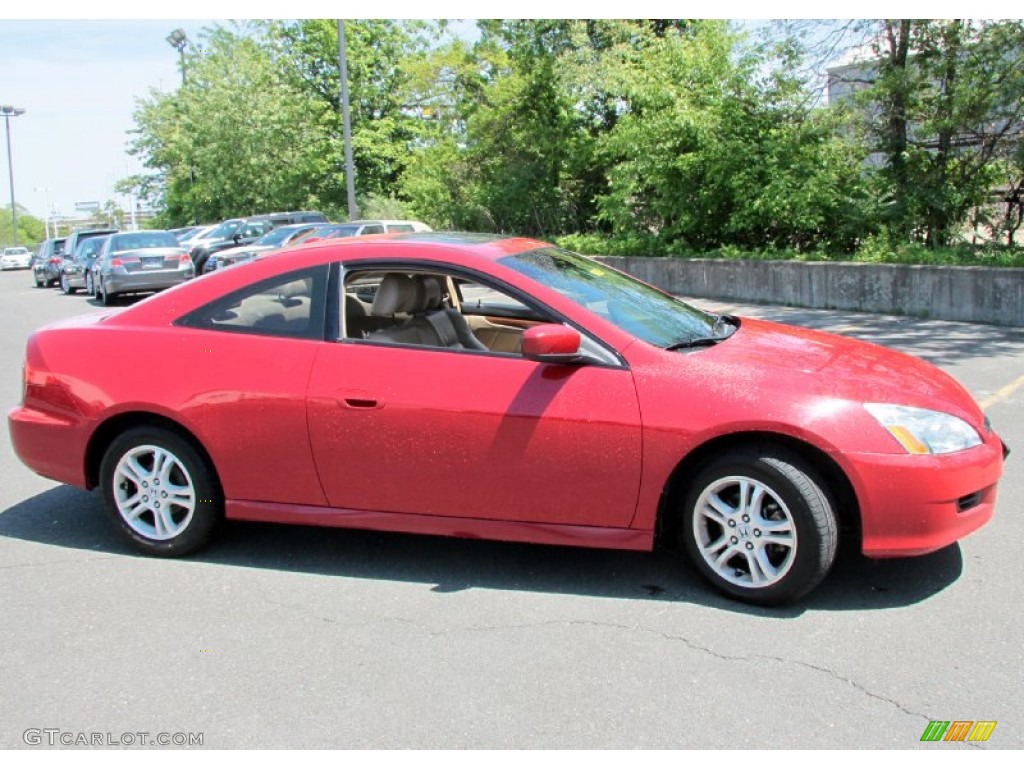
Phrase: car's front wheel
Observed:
(90, 287)
(160, 492)
(65, 286)
(760, 526)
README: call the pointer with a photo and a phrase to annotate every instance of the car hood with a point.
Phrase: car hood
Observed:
(767, 355)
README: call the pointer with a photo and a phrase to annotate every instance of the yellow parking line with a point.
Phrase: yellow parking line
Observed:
(1002, 394)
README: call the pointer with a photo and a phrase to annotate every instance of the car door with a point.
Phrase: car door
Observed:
(253, 350)
(458, 433)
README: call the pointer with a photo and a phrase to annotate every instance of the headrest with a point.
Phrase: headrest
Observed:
(397, 293)
(354, 307)
(432, 293)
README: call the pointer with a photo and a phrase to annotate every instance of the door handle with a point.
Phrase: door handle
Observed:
(360, 401)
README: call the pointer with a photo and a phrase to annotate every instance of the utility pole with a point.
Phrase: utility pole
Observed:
(350, 171)
(8, 112)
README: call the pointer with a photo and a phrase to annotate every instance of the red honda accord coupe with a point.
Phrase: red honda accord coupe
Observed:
(502, 388)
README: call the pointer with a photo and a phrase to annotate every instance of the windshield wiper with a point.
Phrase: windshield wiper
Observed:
(723, 327)
(698, 341)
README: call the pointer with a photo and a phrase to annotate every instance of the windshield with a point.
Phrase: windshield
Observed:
(636, 308)
(276, 236)
(224, 230)
(346, 230)
(138, 240)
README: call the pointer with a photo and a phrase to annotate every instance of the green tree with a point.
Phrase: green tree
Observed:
(707, 151)
(238, 138)
(942, 102)
(383, 125)
(30, 229)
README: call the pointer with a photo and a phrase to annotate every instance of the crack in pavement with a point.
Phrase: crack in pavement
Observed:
(702, 649)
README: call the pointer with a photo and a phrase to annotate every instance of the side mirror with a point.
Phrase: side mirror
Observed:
(552, 343)
(237, 237)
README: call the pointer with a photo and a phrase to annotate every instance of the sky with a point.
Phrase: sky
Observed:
(78, 81)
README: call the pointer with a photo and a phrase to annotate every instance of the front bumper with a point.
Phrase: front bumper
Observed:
(913, 505)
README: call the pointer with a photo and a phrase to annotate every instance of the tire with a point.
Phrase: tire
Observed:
(760, 526)
(90, 288)
(39, 283)
(65, 287)
(104, 295)
(190, 506)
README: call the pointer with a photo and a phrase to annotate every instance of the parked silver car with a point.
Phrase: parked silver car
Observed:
(76, 268)
(140, 262)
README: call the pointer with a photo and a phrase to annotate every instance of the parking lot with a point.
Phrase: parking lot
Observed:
(305, 638)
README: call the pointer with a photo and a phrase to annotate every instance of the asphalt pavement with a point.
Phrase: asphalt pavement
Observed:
(300, 637)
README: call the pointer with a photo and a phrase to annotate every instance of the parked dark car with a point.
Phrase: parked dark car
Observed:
(275, 238)
(76, 271)
(46, 264)
(139, 262)
(71, 245)
(235, 232)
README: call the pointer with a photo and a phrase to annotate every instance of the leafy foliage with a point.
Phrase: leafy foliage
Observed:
(30, 229)
(636, 136)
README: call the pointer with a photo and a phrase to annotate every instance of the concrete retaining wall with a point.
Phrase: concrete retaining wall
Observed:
(972, 294)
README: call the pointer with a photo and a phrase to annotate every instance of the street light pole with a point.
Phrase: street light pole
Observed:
(178, 40)
(8, 112)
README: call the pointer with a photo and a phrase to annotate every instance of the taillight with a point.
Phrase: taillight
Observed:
(116, 262)
(184, 259)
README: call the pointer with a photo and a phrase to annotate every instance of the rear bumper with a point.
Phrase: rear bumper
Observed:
(34, 435)
(144, 281)
(913, 505)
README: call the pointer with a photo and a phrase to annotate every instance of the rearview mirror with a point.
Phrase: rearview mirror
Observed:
(552, 343)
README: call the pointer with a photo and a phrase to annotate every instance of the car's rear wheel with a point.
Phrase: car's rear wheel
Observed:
(103, 295)
(760, 526)
(160, 492)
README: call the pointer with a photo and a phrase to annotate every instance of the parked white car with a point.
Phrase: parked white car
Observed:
(367, 227)
(16, 257)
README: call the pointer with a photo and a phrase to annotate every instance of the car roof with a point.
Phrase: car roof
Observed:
(300, 225)
(479, 245)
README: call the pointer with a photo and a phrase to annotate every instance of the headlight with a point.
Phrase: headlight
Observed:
(919, 430)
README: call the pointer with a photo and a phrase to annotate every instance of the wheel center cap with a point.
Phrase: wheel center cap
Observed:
(744, 532)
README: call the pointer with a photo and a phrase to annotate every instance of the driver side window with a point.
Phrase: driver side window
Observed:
(434, 309)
